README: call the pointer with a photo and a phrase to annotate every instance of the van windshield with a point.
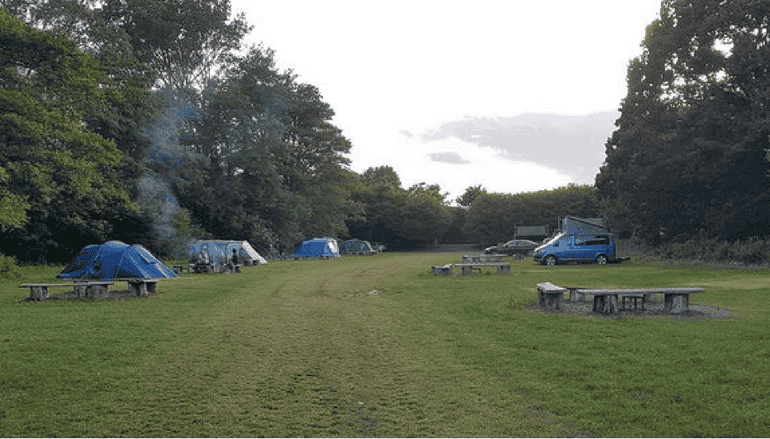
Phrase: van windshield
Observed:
(554, 239)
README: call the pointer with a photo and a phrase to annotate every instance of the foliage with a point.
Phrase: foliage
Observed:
(748, 252)
(694, 128)
(70, 177)
(8, 267)
(271, 165)
(470, 195)
(493, 218)
(13, 207)
(381, 175)
(401, 218)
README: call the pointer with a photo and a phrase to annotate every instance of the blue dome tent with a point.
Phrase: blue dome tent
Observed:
(115, 260)
(319, 248)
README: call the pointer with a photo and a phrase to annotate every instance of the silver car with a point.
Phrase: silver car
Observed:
(513, 247)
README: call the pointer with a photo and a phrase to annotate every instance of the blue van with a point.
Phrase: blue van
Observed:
(586, 247)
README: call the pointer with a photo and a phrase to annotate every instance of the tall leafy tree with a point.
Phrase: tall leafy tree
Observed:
(402, 218)
(689, 156)
(274, 163)
(70, 177)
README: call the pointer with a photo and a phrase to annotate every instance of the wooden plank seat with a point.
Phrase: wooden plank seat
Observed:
(549, 296)
(84, 289)
(467, 268)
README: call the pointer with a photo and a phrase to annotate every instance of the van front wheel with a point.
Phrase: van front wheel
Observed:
(601, 260)
(550, 260)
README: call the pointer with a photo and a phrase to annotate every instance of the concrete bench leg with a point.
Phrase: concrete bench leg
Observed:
(38, 293)
(80, 291)
(605, 303)
(576, 296)
(503, 269)
(138, 288)
(676, 303)
(467, 271)
(96, 291)
(553, 301)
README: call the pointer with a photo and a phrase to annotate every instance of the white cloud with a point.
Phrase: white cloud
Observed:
(390, 70)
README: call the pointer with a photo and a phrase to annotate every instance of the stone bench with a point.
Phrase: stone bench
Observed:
(549, 296)
(86, 289)
(675, 300)
(142, 287)
(467, 269)
(442, 270)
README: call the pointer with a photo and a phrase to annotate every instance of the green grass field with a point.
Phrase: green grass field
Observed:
(309, 349)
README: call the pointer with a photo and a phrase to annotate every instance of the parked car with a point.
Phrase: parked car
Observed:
(513, 247)
(586, 247)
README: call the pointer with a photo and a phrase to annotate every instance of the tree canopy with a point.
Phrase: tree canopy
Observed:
(67, 179)
(694, 128)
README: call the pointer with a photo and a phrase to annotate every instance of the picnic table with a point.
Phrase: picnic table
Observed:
(676, 300)
(82, 289)
(95, 288)
(484, 258)
(467, 268)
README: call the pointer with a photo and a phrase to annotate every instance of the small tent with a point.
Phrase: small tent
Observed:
(221, 251)
(115, 260)
(356, 247)
(319, 248)
(244, 250)
(206, 251)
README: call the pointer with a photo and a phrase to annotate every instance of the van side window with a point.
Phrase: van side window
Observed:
(593, 240)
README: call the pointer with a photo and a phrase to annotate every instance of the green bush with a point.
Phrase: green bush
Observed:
(8, 267)
(750, 252)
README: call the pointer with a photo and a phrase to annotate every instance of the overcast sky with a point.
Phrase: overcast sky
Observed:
(514, 95)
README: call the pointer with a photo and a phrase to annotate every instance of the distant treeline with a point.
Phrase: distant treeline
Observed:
(151, 122)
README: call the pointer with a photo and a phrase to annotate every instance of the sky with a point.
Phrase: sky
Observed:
(516, 96)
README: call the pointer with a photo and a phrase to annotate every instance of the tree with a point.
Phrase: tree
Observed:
(69, 177)
(274, 163)
(381, 175)
(493, 218)
(402, 218)
(470, 195)
(694, 128)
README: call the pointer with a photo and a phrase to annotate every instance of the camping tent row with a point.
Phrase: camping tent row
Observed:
(327, 248)
(115, 260)
(318, 248)
(221, 252)
(356, 247)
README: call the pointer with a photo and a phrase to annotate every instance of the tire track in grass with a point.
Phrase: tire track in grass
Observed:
(304, 349)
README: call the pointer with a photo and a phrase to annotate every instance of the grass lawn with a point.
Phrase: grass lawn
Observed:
(378, 346)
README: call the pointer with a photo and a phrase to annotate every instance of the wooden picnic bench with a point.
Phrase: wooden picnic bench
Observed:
(675, 300)
(467, 268)
(90, 289)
